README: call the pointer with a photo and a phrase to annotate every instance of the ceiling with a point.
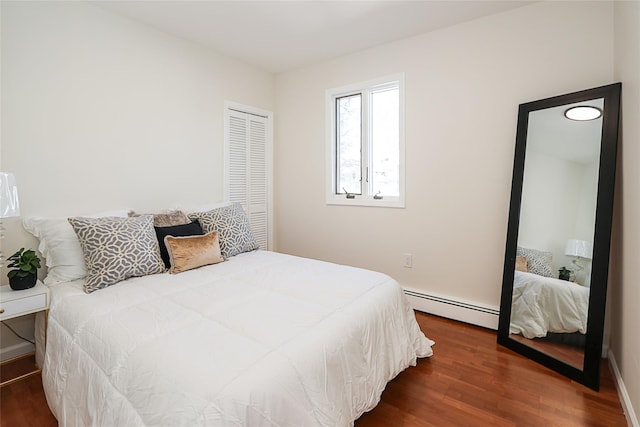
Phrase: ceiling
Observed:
(278, 36)
(550, 132)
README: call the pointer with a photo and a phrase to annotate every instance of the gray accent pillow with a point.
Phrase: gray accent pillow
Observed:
(116, 249)
(538, 262)
(232, 226)
(166, 219)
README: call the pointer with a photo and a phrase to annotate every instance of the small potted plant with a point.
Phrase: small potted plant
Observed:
(24, 273)
(564, 274)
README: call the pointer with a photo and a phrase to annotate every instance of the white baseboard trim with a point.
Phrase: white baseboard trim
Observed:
(16, 350)
(625, 400)
(605, 347)
(463, 311)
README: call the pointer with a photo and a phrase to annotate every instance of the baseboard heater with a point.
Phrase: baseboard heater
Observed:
(462, 311)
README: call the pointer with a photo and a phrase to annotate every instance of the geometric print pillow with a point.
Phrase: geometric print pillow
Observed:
(115, 249)
(232, 226)
(538, 262)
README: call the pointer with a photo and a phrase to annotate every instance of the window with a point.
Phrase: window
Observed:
(365, 155)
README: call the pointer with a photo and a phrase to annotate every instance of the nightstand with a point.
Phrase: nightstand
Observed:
(20, 303)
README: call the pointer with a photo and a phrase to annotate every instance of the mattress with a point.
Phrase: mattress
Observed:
(545, 304)
(262, 339)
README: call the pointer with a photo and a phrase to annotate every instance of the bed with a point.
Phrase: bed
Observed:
(261, 339)
(543, 305)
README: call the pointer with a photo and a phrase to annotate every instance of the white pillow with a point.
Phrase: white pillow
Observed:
(60, 247)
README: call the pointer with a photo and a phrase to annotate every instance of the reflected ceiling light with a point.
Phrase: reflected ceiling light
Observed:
(583, 113)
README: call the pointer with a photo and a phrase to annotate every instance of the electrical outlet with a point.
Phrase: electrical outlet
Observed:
(408, 260)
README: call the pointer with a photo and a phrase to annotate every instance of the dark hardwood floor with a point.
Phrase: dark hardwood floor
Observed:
(470, 381)
(22, 403)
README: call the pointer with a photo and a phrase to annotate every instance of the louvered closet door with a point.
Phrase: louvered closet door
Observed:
(247, 179)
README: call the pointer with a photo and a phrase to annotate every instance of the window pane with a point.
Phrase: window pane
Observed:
(349, 129)
(385, 145)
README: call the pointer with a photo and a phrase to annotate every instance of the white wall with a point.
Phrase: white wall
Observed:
(463, 87)
(113, 112)
(558, 204)
(624, 283)
(100, 112)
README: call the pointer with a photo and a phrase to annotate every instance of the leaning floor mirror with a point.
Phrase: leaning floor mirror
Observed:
(558, 238)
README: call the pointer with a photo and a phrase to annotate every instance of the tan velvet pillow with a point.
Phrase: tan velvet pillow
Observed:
(521, 264)
(166, 219)
(189, 252)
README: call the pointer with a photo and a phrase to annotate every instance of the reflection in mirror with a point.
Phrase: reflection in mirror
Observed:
(557, 219)
(557, 252)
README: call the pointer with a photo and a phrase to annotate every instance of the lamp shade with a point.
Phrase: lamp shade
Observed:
(9, 204)
(580, 248)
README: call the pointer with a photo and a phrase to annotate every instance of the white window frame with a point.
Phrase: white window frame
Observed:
(330, 105)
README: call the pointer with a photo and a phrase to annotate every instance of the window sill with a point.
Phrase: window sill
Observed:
(390, 202)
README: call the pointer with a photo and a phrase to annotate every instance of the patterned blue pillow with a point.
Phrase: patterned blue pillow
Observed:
(232, 226)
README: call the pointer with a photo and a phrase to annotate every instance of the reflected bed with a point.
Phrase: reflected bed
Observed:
(543, 305)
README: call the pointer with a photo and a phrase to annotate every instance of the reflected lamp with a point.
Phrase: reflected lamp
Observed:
(578, 249)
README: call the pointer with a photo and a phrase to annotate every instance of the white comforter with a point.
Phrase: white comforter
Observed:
(262, 339)
(544, 304)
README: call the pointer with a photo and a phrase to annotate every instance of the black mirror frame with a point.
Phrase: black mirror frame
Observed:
(590, 374)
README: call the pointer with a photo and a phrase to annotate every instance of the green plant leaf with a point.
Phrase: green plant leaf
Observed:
(24, 263)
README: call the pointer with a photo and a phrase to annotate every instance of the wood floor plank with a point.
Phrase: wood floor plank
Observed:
(470, 381)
